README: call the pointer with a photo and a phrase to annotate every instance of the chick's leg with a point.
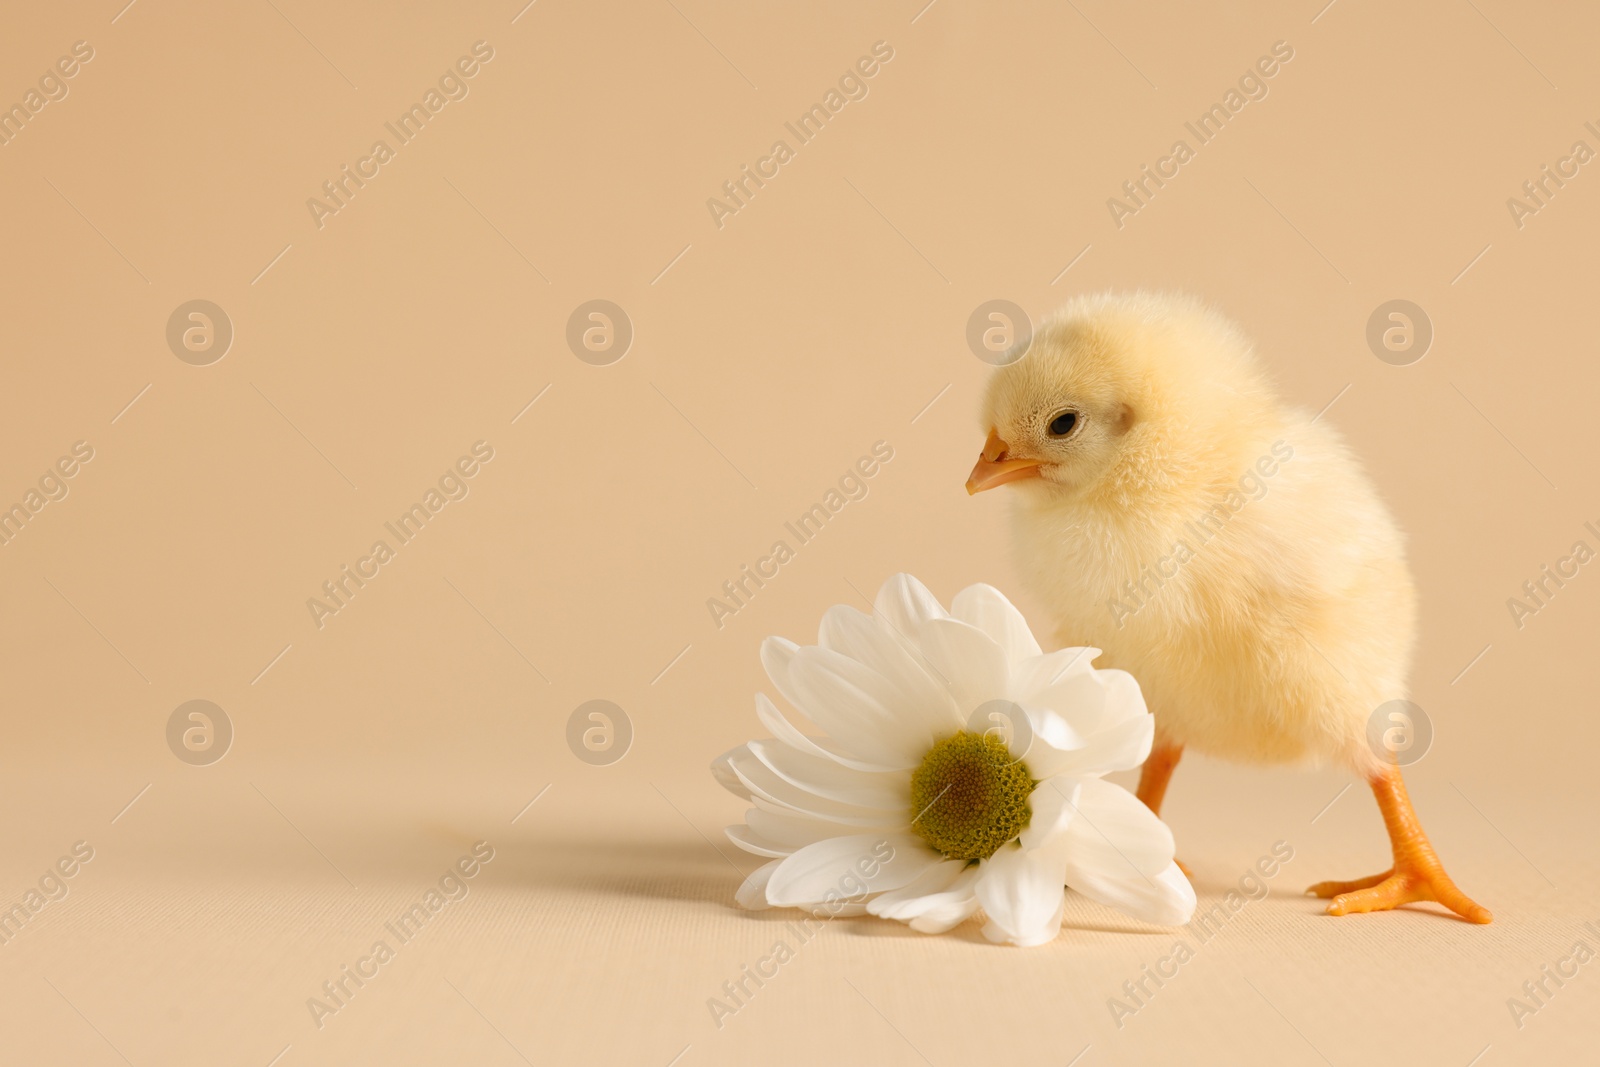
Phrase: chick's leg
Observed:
(1156, 772)
(1153, 778)
(1417, 874)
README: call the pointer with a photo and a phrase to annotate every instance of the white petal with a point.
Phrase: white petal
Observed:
(856, 706)
(784, 730)
(1036, 673)
(1008, 720)
(1059, 750)
(790, 831)
(901, 903)
(722, 771)
(949, 909)
(778, 658)
(1053, 729)
(1025, 901)
(1052, 805)
(1120, 854)
(752, 892)
(1171, 902)
(777, 834)
(838, 909)
(1113, 823)
(1046, 932)
(766, 787)
(754, 843)
(966, 660)
(906, 604)
(1021, 893)
(944, 911)
(1091, 701)
(848, 867)
(941, 899)
(867, 639)
(852, 632)
(820, 776)
(986, 607)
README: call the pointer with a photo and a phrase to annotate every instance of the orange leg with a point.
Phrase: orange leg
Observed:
(1153, 778)
(1156, 772)
(1417, 874)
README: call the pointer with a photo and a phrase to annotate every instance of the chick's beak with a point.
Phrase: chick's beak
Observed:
(996, 467)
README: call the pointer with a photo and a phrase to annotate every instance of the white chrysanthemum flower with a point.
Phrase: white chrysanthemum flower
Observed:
(913, 808)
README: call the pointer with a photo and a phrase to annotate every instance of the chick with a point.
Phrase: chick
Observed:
(1225, 549)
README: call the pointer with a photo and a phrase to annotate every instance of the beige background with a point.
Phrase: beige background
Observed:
(827, 315)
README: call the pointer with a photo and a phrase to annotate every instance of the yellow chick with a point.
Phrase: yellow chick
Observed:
(1225, 549)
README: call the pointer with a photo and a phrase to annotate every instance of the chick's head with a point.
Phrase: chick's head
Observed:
(1118, 393)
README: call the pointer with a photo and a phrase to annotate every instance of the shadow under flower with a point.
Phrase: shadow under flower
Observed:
(689, 871)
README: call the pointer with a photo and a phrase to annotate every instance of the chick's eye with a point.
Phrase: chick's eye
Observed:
(1063, 423)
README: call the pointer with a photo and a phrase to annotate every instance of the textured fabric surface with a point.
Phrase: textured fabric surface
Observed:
(603, 931)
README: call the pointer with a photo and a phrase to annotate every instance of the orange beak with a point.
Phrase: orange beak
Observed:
(994, 467)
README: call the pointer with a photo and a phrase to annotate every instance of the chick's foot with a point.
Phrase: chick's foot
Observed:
(1385, 892)
(1417, 875)
(1334, 889)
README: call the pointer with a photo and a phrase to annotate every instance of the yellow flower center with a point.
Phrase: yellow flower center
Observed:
(970, 796)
